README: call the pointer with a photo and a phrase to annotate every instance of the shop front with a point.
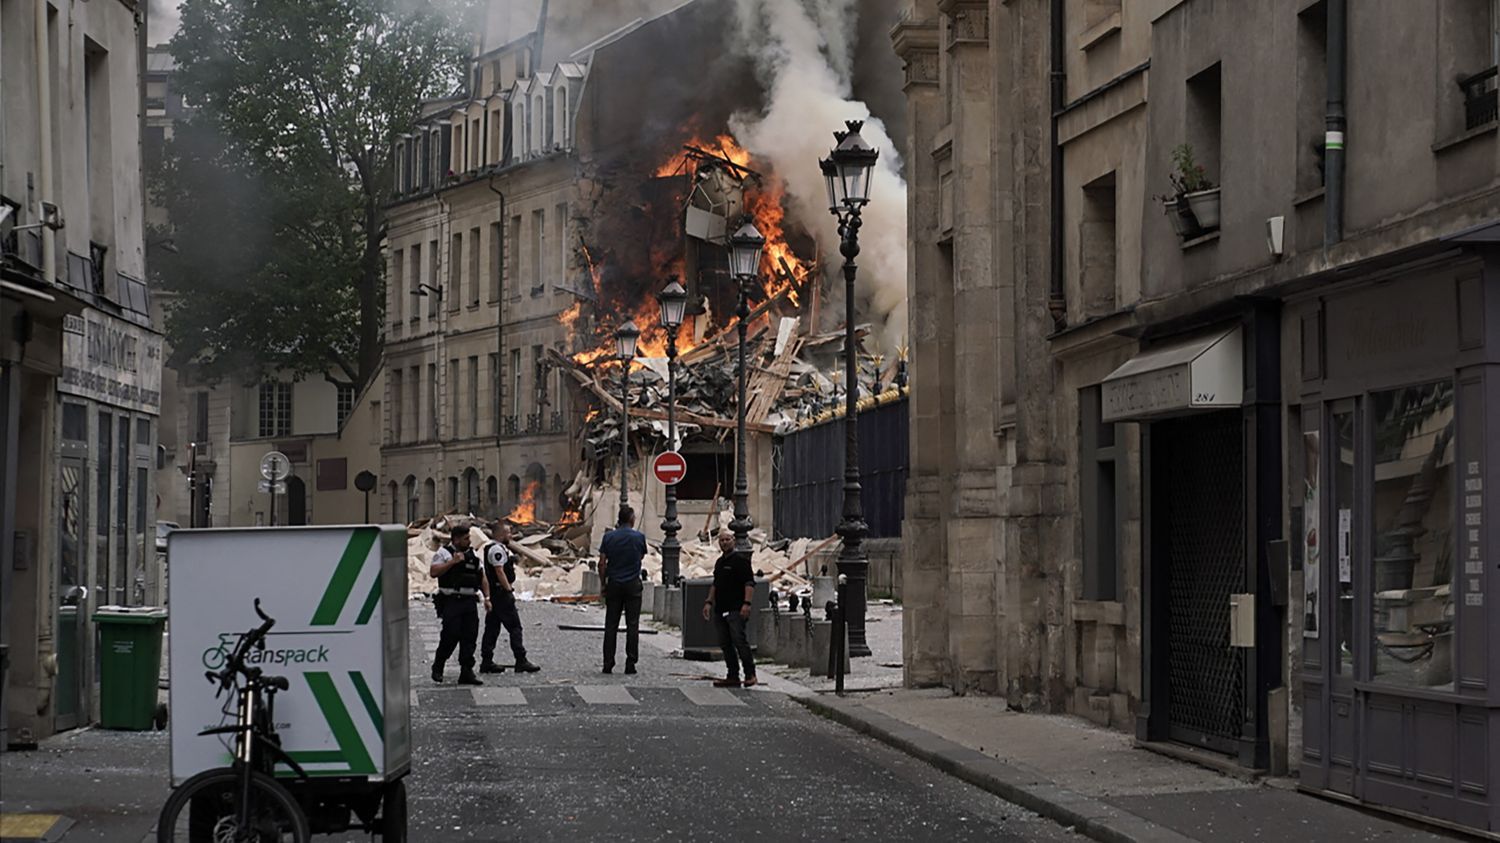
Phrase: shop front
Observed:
(1208, 406)
(1395, 461)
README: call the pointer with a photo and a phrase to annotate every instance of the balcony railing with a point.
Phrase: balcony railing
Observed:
(508, 425)
(1480, 98)
(559, 422)
(533, 422)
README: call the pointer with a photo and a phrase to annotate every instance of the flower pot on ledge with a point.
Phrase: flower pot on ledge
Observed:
(1181, 216)
(1204, 205)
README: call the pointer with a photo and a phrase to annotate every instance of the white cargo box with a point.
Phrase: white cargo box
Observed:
(338, 595)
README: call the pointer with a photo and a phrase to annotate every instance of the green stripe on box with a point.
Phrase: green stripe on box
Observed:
(371, 601)
(317, 756)
(368, 699)
(339, 721)
(353, 560)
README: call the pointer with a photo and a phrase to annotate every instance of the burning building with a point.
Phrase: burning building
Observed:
(541, 208)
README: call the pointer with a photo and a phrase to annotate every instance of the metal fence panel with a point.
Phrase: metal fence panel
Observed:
(808, 469)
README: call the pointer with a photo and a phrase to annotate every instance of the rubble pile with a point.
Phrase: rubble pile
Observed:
(551, 558)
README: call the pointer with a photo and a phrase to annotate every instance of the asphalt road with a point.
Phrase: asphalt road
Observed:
(571, 754)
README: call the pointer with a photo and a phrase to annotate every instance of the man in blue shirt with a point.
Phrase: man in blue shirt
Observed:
(620, 555)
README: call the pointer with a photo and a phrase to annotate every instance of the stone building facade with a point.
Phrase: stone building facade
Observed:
(80, 360)
(1214, 476)
(482, 263)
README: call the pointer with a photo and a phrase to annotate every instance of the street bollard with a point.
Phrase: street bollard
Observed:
(840, 636)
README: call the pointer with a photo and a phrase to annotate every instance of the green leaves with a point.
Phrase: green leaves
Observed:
(275, 187)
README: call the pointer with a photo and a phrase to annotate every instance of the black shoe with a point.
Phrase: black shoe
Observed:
(491, 667)
(524, 666)
(630, 668)
(468, 678)
(437, 674)
(609, 668)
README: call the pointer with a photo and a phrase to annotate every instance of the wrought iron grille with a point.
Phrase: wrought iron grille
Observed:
(533, 422)
(559, 422)
(509, 425)
(1201, 506)
(1481, 98)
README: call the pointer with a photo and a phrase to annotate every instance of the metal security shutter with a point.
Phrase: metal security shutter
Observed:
(1198, 464)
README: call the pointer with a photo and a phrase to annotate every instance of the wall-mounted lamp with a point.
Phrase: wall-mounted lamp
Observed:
(1276, 236)
(424, 289)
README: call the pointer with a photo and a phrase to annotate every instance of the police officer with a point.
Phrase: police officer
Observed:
(500, 565)
(460, 578)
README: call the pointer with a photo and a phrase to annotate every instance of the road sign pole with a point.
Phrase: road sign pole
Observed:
(273, 503)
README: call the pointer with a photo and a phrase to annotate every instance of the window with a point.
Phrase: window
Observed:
(414, 385)
(1468, 53)
(513, 272)
(398, 288)
(345, 402)
(539, 376)
(474, 149)
(1101, 474)
(1312, 95)
(492, 496)
(704, 472)
(432, 403)
(562, 116)
(459, 148)
(455, 287)
(143, 433)
(538, 251)
(395, 493)
(75, 423)
(495, 393)
(432, 279)
(1205, 100)
(473, 391)
(454, 397)
(397, 402)
(1413, 523)
(411, 499)
(473, 267)
(452, 493)
(515, 376)
(414, 282)
(1096, 246)
(199, 433)
(426, 162)
(275, 408)
(496, 250)
(560, 243)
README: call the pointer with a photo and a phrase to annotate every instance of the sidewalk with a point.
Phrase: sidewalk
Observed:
(1097, 780)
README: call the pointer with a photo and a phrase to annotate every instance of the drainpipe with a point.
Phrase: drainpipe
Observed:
(44, 138)
(1057, 303)
(499, 331)
(1333, 143)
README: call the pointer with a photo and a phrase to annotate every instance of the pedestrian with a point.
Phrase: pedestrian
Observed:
(500, 566)
(729, 601)
(460, 579)
(620, 555)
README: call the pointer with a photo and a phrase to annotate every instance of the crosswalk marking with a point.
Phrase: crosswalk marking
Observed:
(711, 696)
(498, 696)
(606, 695)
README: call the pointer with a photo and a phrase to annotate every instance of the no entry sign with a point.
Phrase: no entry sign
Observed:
(669, 467)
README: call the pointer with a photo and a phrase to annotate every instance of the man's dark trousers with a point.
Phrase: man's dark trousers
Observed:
(460, 617)
(734, 643)
(502, 613)
(618, 597)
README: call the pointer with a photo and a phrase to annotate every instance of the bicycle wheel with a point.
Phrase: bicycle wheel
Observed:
(202, 810)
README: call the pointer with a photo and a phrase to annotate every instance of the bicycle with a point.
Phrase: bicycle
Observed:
(242, 802)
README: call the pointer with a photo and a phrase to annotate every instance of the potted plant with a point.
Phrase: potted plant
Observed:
(1194, 190)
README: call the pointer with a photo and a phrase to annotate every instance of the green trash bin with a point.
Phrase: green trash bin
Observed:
(129, 665)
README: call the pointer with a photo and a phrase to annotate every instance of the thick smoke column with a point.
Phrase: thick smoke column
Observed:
(803, 55)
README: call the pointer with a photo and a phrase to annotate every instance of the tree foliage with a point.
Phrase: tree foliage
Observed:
(275, 186)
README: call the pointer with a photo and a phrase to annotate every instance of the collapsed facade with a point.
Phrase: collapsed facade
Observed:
(1212, 470)
(541, 208)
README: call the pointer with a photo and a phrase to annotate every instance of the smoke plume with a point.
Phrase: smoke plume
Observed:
(804, 57)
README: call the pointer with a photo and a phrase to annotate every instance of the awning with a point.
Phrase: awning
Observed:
(1204, 373)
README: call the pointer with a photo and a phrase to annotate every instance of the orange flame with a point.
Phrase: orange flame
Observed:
(525, 511)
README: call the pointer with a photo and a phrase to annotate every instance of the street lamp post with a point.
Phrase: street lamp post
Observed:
(745, 246)
(673, 301)
(625, 339)
(846, 173)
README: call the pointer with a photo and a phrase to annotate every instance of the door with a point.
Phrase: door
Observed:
(72, 595)
(1198, 532)
(296, 502)
(1339, 604)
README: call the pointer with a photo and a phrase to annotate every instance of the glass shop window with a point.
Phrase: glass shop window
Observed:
(1413, 542)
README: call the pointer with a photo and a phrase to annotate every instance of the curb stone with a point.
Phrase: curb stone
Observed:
(1012, 782)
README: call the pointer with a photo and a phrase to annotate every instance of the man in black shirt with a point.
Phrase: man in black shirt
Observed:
(729, 600)
(460, 579)
(620, 555)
